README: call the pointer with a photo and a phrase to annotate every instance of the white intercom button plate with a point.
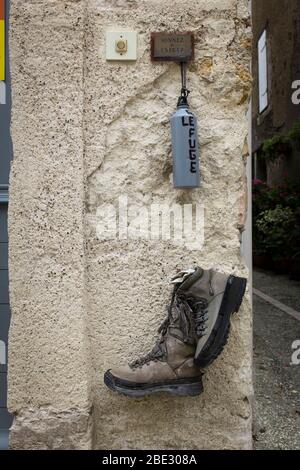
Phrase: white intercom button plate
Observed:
(114, 39)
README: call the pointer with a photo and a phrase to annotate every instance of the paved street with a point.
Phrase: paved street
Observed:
(277, 391)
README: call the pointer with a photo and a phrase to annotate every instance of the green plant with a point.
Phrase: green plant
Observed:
(294, 135)
(268, 198)
(275, 229)
(276, 147)
(281, 144)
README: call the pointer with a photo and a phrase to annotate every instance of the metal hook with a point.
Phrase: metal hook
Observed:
(182, 100)
(183, 67)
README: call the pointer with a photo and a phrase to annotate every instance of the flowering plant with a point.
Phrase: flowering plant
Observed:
(276, 218)
(275, 230)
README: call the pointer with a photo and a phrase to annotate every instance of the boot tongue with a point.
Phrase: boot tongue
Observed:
(182, 276)
(181, 318)
(185, 279)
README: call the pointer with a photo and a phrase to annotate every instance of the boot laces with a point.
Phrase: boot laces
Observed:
(191, 314)
(159, 351)
(200, 309)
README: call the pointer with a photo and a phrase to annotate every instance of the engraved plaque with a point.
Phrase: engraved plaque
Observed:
(178, 47)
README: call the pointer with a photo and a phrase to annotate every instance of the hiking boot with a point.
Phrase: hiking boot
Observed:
(212, 297)
(170, 366)
(193, 335)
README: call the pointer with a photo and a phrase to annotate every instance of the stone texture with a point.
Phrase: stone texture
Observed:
(48, 355)
(46, 428)
(79, 120)
(128, 153)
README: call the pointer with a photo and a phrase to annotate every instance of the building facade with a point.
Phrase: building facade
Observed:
(276, 85)
(89, 134)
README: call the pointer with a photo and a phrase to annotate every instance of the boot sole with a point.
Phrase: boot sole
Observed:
(231, 302)
(181, 387)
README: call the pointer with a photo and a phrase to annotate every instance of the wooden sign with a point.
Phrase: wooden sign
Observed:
(2, 40)
(177, 47)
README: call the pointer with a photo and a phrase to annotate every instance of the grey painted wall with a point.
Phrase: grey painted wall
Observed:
(5, 158)
(5, 140)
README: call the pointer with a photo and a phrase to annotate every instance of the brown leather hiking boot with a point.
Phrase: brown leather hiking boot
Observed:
(169, 367)
(213, 297)
(197, 327)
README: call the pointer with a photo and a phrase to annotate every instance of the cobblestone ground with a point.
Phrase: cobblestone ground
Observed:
(276, 380)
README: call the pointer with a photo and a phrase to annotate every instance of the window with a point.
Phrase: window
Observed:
(263, 72)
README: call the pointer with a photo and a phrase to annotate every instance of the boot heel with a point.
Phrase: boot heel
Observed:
(236, 291)
(232, 299)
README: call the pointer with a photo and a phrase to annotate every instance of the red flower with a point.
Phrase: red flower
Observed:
(257, 181)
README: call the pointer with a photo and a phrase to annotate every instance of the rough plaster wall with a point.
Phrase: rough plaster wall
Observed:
(120, 124)
(48, 365)
(128, 153)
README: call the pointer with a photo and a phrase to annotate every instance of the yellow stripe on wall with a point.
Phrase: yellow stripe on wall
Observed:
(2, 50)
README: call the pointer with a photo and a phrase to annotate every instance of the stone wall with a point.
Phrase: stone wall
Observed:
(86, 132)
(48, 354)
